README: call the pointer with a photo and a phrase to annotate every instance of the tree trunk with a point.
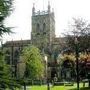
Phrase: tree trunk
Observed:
(89, 83)
(24, 86)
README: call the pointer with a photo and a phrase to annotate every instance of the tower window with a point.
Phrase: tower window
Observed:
(44, 27)
(38, 27)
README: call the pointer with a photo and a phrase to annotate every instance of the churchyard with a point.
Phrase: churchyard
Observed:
(62, 87)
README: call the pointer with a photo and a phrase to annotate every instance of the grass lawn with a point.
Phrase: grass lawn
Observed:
(44, 87)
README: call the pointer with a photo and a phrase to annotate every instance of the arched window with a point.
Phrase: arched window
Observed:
(44, 27)
(16, 53)
(16, 56)
(38, 27)
(7, 57)
(8, 52)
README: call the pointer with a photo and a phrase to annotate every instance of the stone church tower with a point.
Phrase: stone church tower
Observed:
(42, 36)
(43, 28)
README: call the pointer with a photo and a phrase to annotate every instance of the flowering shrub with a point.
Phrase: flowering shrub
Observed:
(72, 57)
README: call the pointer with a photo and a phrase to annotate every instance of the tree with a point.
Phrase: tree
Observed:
(5, 9)
(5, 74)
(34, 63)
(80, 29)
(6, 80)
(67, 61)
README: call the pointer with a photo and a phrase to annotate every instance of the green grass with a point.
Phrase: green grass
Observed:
(44, 87)
(86, 88)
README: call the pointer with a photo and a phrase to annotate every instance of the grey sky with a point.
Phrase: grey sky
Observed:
(64, 11)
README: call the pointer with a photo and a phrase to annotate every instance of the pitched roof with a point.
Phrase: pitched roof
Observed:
(17, 43)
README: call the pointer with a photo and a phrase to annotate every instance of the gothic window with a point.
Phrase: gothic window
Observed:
(16, 56)
(7, 57)
(8, 52)
(38, 29)
(16, 53)
(44, 28)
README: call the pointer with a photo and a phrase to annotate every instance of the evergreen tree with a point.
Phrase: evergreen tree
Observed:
(5, 9)
(6, 79)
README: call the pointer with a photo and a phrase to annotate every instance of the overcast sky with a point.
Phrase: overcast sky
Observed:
(64, 11)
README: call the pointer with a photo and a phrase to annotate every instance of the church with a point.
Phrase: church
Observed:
(42, 36)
